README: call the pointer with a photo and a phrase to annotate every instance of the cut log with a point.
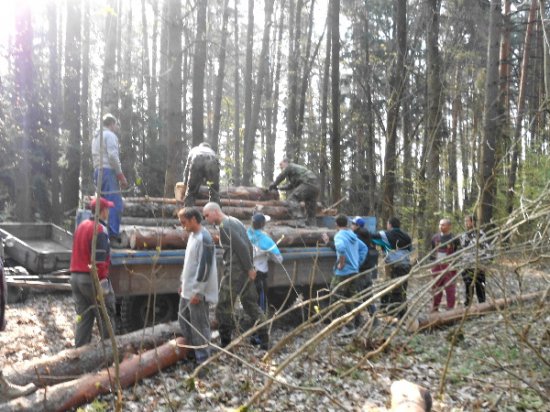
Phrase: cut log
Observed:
(69, 363)
(409, 397)
(36, 284)
(150, 209)
(233, 192)
(74, 393)
(444, 318)
(149, 221)
(145, 237)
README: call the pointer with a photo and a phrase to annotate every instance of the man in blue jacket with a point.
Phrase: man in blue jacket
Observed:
(350, 253)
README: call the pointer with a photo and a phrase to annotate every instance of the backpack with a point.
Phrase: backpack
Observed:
(395, 257)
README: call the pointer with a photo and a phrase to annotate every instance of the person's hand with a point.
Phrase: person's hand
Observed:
(325, 238)
(195, 299)
(122, 180)
(252, 274)
(272, 186)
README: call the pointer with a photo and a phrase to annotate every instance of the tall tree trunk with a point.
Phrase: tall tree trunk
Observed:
(174, 143)
(262, 74)
(370, 143)
(516, 142)
(71, 121)
(309, 59)
(128, 158)
(336, 166)
(273, 98)
(55, 101)
(323, 159)
(199, 64)
(237, 120)
(23, 109)
(109, 88)
(293, 149)
(396, 92)
(434, 119)
(86, 167)
(248, 146)
(492, 126)
(214, 139)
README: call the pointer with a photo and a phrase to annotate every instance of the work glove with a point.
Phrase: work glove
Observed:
(272, 186)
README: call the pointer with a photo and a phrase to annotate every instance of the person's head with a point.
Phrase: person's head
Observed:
(110, 122)
(205, 144)
(341, 221)
(469, 221)
(445, 226)
(190, 218)
(259, 220)
(357, 222)
(284, 163)
(104, 206)
(393, 223)
(212, 213)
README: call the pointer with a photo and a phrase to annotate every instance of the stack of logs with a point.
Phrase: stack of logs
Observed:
(150, 223)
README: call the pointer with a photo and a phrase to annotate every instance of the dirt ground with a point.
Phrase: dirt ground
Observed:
(499, 361)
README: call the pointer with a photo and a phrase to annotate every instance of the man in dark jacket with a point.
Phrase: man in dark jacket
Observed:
(202, 166)
(370, 264)
(397, 246)
(238, 278)
(303, 185)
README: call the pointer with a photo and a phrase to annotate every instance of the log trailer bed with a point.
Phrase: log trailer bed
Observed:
(143, 279)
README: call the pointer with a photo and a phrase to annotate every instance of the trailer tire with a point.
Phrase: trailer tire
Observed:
(134, 312)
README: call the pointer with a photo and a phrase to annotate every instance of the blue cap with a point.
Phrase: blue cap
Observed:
(260, 218)
(358, 220)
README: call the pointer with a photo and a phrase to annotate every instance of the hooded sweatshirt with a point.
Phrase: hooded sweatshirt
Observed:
(347, 244)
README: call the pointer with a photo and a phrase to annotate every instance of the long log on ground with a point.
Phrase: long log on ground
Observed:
(444, 318)
(74, 393)
(232, 192)
(145, 237)
(36, 284)
(69, 363)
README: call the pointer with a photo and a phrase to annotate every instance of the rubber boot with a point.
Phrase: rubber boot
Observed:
(10, 391)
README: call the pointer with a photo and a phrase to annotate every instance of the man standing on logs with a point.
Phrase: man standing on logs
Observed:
(303, 185)
(238, 276)
(202, 166)
(199, 284)
(82, 283)
(106, 156)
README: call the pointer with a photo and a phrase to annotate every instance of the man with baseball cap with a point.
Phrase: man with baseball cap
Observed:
(82, 282)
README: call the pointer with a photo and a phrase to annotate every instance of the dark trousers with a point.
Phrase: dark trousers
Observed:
(308, 194)
(348, 290)
(473, 280)
(395, 302)
(261, 288)
(87, 308)
(205, 169)
(236, 284)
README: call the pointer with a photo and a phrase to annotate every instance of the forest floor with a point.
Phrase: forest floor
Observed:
(500, 361)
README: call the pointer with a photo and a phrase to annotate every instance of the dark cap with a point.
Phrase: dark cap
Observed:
(358, 220)
(260, 218)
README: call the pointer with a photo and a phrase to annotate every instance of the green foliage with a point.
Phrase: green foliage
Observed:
(95, 406)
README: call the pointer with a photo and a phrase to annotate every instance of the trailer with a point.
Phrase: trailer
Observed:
(145, 282)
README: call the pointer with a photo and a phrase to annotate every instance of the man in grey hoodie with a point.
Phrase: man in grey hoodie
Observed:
(199, 283)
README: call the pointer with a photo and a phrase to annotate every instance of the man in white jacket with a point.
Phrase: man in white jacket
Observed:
(199, 284)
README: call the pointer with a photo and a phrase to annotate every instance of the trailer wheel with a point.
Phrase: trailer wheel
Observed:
(136, 314)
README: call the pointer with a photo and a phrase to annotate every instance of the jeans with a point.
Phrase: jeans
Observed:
(111, 191)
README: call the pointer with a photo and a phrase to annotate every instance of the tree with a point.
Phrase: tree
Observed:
(174, 141)
(71, 93)
(397, 83)
(492, 125)
(336, 167)
(199, 64)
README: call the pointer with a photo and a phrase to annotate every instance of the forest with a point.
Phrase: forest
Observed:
(421, 109)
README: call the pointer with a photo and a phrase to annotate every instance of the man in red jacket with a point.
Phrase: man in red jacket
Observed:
(82, 283)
